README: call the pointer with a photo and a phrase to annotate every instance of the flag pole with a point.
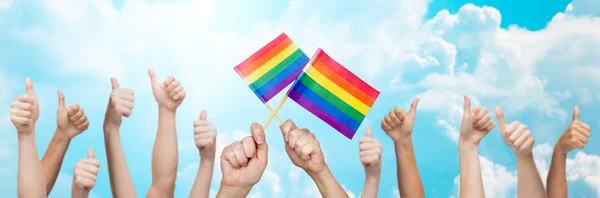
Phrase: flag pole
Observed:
(274, 113)
(271, 109)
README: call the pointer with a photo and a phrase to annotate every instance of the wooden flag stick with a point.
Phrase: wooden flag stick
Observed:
(271, 109)
(285, 97)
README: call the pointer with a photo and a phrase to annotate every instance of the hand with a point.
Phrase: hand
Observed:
(168, 94)
(370, 154)
(475, 125)
(399, 124)
(575, 136)
(303, 148)
(71, 121)
(25, 110)
(243, 163)
(85, 174)
(205, 136)
(516, 135)
(120, 104)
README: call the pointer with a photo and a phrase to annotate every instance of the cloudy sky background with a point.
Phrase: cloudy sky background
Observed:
(535, 59)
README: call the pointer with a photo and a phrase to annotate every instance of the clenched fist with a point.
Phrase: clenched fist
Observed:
(370, 154)
(243, 164)
(120, 104)
(25, 110)
(72, 120)
(575, 136)
(169, 94)
(303, 148)
(205, 136)
(516, 134)
(399, 124)
(85, 174)
(476, 123)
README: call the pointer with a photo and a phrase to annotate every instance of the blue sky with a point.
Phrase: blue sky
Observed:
(536, 59)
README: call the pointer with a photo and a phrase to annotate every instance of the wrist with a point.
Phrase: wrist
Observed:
(464, 145)
(559, 151)
(320, 175)
(524, 156)
(403, 142)
(227, 191)
(164, 110)
(373, 176)
(62, 135)
(207, 160)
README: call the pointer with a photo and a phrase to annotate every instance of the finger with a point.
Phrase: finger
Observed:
(491, 126)
(579, 145)
(180, 95)
(229, 155)
(126, 96)
(583, 125)
(76, 116)
(203, 115)
(262, 149)
(369, 132)
(575, 113)
(21, 113)
(91, 154)
(294, 136)
(257, 133)
(238, 151)
(389, 121)
(413, 106)
(520, 141)
(85, 183)
(80, 120)
(21, 105)
(528, 144)
(29, 87)
(61, 99)
(500, 116)
(467, 106)
(84, 126)
(169, 80)
(582, 131)
(152, 75)
(370, 152)
(174, 85)
(308, 150)
(481, 113)
(365, 140)
(286, 128)
(522, 129)
(124, 111)
(581, 138)
(20, 120)
(397, 115)
(114, 82)
(303, 141)
(72, 110)
(483, 120)
(249, 147)
(385, 126)
(127, 104)
(89, 166)
(368, 146)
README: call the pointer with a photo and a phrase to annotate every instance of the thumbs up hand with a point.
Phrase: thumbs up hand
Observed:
(516, 135)
(25, 110)
(71, 121)
(476, 123)
(575, 136)
(370, 154)
(205, 135)
(169, 94)
(399, 124)
(120, 104)
(85, 174)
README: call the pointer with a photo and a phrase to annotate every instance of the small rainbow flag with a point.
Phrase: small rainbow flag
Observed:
(334, 94)
(273, 67)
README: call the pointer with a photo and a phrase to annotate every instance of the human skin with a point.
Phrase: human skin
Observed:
(398, 125)
(205, 135)
(243, 164)
(169, 95)
(305, 152)
(24, 113)
(120, 104)
(71, 121)
(370, 157)
(476, 123)
(575, 136)
(85, 174)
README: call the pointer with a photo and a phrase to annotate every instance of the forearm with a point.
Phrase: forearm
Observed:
(556, 185)
(328, 185)
(471, 183)
(529, 181)
(30, 174)
(77, 192)
(53, 158)
(371, 186)
(409, 180)
(230, 192)
(164, 154)
(201, 186)
(120, 179)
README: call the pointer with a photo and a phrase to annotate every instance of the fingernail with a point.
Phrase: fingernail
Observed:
(259, 139)
(176, 98)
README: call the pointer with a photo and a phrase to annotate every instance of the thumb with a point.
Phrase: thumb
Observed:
(203, 115)
(152, 75)
(91, 154)
(286, 128)
(467, 107)
(575, 113)
(413, 106)
(61, 99)
(114, 82)
(500, 116)
(369, 132)
(259, 136)
(29, 87)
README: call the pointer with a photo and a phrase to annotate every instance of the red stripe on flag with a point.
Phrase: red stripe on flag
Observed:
(243, 67)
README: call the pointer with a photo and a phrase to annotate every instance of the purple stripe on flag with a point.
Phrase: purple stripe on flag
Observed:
(302, 101)
(271, 93)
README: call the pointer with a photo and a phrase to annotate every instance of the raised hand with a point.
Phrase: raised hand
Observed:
(25, 110)
(575, 136)
(370, 154)
(399, 124)
(476, 123)
(120, 104)
(303, 148)
(205, 135)
(516, 135)
(71, 121)
(169, 94)
(85, 174)
(243, 164)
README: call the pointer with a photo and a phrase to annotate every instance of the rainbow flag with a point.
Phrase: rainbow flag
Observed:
(334, 94)
(273, 67)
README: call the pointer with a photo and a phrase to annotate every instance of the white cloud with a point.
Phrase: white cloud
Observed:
(585, 96)
(585, 167)
(497, 181)
(449, 129)
(583, 8)
(562, 95)
(5, 4)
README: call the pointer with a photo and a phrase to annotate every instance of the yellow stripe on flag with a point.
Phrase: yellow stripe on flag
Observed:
(337, 90)
(262, 70)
